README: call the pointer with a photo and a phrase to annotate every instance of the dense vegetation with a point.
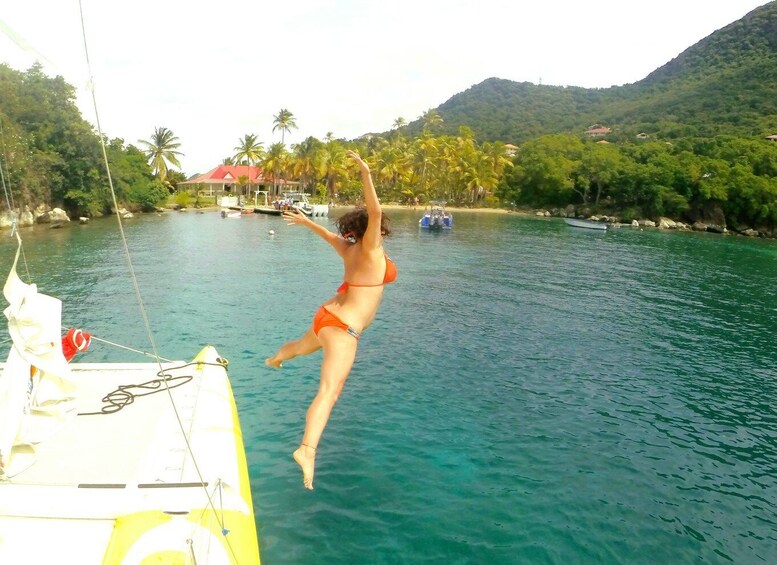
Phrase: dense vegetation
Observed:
(723, 180)
(452, 168)
(52, 156)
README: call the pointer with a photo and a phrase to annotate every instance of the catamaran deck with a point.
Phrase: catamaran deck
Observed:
(99, 468)
(140, 443)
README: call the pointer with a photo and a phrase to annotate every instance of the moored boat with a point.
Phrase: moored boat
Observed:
(299, 201)
(436, 217)
(585, 224)
(292, 201)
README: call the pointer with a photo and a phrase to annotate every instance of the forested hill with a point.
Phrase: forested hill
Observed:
(51, 156)
(726, 83)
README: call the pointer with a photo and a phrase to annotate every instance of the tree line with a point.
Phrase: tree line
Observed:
(725, 179)
(52, 155)
(456, 169)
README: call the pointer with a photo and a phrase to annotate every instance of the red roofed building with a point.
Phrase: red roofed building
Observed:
(226, 178)
(597, 131)
(237, 180)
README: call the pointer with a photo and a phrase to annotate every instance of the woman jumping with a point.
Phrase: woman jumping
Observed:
(338, 323)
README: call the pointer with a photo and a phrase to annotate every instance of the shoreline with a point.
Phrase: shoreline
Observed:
(391, 206)
(421, 208)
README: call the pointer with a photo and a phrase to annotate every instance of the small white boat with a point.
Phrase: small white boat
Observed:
(585, 224)
(291, 200)
(299, 200)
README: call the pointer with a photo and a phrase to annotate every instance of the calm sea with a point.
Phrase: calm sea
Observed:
(528, 393)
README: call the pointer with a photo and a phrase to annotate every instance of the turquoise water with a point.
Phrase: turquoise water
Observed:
(528, 393)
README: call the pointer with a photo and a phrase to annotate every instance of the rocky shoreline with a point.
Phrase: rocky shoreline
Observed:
(57, 217)
(663, 223)
(54, 217)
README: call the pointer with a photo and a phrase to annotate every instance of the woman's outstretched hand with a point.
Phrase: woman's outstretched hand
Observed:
(295, 217)
(355, 156)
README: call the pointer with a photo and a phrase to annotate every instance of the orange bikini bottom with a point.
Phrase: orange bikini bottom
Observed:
(324, 318)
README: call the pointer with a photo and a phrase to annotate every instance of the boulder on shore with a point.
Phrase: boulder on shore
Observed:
(666, 224)
(56, 216)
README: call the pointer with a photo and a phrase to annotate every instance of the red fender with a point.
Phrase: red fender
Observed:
(75, 340)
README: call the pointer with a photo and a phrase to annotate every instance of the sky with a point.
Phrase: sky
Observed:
(213, 72)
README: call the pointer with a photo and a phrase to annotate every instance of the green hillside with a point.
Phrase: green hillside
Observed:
(726, 83)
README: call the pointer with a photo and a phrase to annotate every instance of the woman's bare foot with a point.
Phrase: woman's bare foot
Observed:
(273, 362)
(305, 457)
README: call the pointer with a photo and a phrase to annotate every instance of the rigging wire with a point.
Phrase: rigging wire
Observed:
(125, 347)
(5, 172)
(4, 155)
(11, 207)
(22, 43)
(137, 286)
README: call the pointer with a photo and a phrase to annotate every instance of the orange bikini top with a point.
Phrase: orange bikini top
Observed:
(389, 277)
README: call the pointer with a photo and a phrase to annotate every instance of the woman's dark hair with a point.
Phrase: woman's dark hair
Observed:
(354, 224)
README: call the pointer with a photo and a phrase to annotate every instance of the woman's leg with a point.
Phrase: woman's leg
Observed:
(305, 345)
(339, 353)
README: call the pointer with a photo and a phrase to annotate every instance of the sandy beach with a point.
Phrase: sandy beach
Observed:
(420, 207)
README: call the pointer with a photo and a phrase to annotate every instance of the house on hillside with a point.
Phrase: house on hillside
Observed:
(772, 138)
(510, 149)
(236, 180)
(642, 135)
(597, 130)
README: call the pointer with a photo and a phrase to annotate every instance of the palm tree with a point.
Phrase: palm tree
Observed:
(250, 151)
(308, 161)
(161, 150)
(399, 123)
(431, 119)
(284, 121)
(425, 150)
(275, 159)
(392, 168)
(335, 167)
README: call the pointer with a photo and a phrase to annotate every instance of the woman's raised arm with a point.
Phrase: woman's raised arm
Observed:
(372, 236)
